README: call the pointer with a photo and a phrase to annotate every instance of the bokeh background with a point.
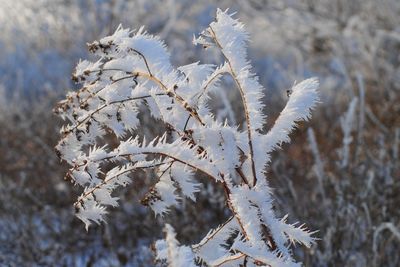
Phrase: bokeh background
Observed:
(340, 175)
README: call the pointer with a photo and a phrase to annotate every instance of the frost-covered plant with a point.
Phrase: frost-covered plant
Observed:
(134, 70)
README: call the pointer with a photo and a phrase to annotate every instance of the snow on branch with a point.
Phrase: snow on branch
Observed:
(303, 98)
(132, 87)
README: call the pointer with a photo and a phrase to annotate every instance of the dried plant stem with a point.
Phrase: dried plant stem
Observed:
(244, 101)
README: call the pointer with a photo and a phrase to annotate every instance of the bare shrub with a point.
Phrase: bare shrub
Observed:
(104, 149)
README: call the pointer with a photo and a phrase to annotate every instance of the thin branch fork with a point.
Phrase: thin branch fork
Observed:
(115, 69)
(173, 94)
(201, 244)
(209, 82)
(104, 182)
(140, 55)
(153, 153)
(104, 106)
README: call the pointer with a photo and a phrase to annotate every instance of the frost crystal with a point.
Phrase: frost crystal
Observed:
(134, 70)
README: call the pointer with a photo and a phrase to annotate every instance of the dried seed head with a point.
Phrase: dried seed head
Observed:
(150, 197)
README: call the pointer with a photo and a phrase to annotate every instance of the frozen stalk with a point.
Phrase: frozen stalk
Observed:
(347, 122)
(319, 167)
(361, 119)
(133, 69)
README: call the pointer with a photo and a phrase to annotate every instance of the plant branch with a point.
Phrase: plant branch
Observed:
(244, 100)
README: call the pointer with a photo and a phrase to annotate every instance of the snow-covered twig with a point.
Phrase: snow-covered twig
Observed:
(134, 70)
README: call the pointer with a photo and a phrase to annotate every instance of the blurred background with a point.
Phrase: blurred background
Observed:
(340, 175)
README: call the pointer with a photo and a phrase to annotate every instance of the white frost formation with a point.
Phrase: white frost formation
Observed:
(134, 70)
